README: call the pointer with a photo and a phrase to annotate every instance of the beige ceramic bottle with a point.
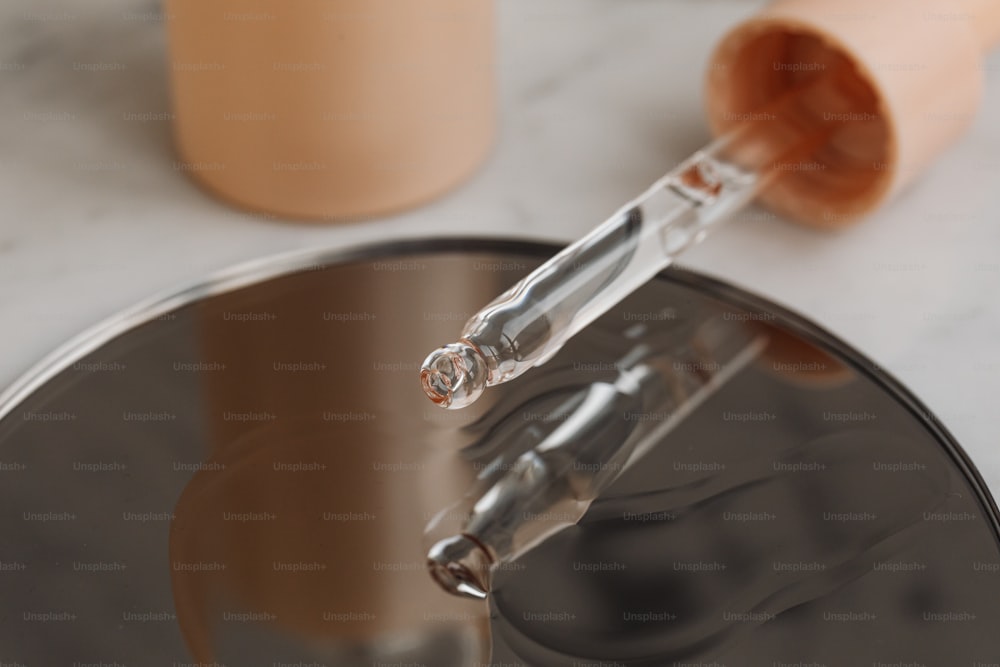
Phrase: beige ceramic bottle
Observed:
(331, 109)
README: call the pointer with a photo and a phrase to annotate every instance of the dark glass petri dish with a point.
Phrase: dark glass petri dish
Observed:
(241, 474)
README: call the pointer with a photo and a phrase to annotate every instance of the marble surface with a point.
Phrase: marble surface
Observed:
(598, 99)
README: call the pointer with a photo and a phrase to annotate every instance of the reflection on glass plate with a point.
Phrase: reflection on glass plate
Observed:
(243, 475)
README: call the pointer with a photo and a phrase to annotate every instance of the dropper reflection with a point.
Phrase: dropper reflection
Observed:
(521, 502)
(462, 566)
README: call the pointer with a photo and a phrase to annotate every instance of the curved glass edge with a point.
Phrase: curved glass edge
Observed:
(240, 275)
(296, 261)
(820, 336)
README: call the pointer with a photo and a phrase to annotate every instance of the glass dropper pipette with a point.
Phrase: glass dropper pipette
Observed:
(526, 325)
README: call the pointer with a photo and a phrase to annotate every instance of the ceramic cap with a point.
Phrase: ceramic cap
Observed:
(913, 74)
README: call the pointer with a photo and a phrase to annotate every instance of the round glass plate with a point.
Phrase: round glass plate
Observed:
(241, 474)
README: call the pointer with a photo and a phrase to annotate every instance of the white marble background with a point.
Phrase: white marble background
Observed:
(598, 98)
